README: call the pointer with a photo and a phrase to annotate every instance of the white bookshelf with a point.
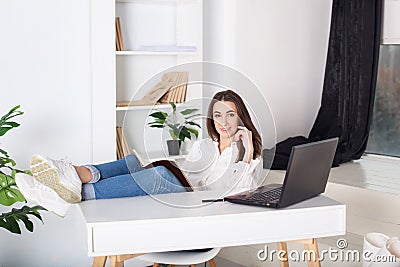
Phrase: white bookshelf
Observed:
(126, 75)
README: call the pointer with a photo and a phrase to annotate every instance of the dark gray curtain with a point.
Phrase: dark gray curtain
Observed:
(349, 82)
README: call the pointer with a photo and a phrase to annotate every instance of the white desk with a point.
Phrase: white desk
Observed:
(142, 224)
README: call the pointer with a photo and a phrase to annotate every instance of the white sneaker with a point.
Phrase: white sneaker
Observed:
(59, 175)
(41, 194)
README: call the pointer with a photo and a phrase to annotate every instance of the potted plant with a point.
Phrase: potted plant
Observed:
(9, 193)
(181, 125)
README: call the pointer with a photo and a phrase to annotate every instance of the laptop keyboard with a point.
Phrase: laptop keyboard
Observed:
(267, 196)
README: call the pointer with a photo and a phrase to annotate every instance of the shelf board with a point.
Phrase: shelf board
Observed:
(157, 1)
(151, 53)
(159, 106)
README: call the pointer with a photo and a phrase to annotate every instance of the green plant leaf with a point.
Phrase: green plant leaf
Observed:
(189, 111)
(3, 130)
(157, 123)
(193, 123)
(12, 113)
(172, 126)
(5, 161)
(5, 124)
(194, 131)
(157, 126)
(173, 106)
(159, 115)
(172, 134)
(4, 152)
(9, 193)
(10, 220)
(184, 133)
(10, 223)
(12, 124)
(25, 219)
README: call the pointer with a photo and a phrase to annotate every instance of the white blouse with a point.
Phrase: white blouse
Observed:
(208, 169)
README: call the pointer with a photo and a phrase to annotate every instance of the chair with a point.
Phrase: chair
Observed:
(181, 257)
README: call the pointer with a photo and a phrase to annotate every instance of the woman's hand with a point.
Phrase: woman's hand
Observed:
(247, 139)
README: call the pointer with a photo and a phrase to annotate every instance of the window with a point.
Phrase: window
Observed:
(384, 135)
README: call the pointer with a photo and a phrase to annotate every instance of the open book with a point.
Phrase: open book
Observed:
(171, 166)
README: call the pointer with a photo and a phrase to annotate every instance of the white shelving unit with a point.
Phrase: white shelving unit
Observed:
(128, 75)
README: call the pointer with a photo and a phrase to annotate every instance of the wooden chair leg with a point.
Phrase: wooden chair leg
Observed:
(212, 263)
(172, 265)
(99, 261)
(193, 265)
(155, 264)
(284, 262)
(114, 262)
(313, 257)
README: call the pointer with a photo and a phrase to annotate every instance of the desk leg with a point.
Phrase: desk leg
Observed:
(284, 260)
(114, 262)
(99, 261)
(313, 260)
(310, 245)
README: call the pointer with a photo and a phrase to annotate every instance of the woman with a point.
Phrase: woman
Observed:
(235, 151)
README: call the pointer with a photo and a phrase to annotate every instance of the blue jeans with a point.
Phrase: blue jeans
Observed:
(127, 178)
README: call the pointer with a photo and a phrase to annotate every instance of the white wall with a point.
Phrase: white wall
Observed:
(45, 67)
(281, 46)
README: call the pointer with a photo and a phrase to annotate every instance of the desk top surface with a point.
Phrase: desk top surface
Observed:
(183, 205)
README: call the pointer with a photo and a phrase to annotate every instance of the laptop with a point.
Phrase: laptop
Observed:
(306, 177)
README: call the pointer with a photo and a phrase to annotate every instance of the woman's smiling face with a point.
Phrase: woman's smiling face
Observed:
(226, 119)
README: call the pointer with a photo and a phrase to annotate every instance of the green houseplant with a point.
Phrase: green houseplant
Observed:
(181, 125)
(9, 193)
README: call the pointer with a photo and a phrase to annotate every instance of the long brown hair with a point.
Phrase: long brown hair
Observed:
(243, 113)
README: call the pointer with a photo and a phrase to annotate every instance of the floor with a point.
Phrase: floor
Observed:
(379, 173)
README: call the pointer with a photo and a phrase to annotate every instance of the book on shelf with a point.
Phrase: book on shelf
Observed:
(117, 44)
(177, 93)
(171, 88)
(118, 35)
(122, 146)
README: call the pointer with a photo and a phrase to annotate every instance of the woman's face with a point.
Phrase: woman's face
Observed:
(226, 119)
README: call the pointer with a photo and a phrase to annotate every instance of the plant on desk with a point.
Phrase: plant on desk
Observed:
(181, 125)
(9, 193)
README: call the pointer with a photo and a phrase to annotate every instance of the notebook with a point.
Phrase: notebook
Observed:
(306, 177)
(171, 166)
